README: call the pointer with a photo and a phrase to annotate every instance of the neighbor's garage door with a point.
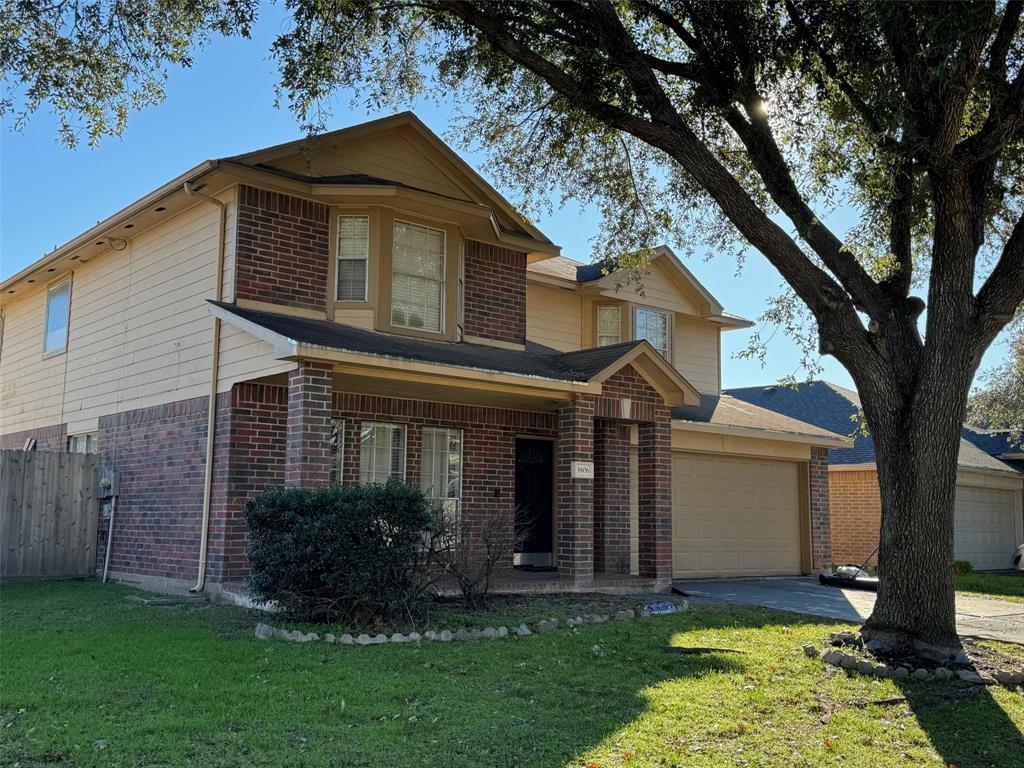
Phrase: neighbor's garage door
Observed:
(734, 516)
(985, 533)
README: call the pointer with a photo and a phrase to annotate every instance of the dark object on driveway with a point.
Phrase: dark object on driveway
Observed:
(868, 583)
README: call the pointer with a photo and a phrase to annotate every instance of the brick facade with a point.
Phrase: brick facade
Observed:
(654, 496)
(611, 496)
(855, 512)
(51, 438)
(488, 446)
(821, 525)
(282, 251)
(574, 547)
(251, 430)
(160, 453)
(307, 448)
(495, 293)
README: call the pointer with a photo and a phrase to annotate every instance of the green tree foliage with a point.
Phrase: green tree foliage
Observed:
(999, 402)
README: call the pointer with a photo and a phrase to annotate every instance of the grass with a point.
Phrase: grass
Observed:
(1004, 586)
(88, 678)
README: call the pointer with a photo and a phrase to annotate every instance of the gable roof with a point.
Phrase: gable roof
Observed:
(434, 150)
(836, 408)
(564, 268)
(157, 206)
(535, 361)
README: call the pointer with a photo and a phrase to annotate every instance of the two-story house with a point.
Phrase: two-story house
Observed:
(364, 306)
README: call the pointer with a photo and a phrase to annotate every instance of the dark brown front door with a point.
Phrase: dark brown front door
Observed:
(534, 493)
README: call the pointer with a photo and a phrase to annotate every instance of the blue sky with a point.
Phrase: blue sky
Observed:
(224, 106)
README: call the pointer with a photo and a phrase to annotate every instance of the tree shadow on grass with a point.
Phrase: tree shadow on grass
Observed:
(965, 723)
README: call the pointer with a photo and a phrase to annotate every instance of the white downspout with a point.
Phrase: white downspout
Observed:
(214, 371)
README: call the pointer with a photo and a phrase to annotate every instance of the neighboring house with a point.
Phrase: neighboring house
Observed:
(378, 310)
(989, 522)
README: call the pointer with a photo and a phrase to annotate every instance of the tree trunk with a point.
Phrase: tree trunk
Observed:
(916, 456)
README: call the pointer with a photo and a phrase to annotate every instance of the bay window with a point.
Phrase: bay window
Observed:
(353, 253)
(609, 324)
(418, 277)
(654, 326)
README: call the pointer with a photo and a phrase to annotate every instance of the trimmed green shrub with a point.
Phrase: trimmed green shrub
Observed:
(340, 554)
(962, 567)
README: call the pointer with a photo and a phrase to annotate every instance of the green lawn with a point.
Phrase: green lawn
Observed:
(1005, 586)
(88, 678)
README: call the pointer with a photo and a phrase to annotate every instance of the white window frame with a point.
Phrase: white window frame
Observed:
(63, 284)
(338, 450)
(669, 318)
(443, 281)
(362, 459)
(90, 440)
(605, 339)
(443, 500)
(338, 258)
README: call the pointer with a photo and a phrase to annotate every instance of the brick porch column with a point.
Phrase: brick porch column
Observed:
(575, 547)
(655, 497)
(307, 460)
(611, 497)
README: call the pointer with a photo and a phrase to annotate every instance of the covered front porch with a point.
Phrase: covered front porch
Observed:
(549, 454)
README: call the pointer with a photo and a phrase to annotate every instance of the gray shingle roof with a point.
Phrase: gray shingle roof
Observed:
(729, 411)
(992, 441)
(536, 360)
(835, 408)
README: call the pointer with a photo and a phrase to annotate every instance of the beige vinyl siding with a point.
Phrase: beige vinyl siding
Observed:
(31, 388)
(244, 357)
(390, 156)
(659, 291)
(553, 317)
(139, 333)
(697, 354)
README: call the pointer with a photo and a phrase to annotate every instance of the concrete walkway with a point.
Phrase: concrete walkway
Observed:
(975, 616)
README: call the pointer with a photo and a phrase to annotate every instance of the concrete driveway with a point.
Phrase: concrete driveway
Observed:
(975, 616)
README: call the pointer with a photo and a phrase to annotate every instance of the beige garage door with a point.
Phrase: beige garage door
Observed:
(734, 517)
(985, 533)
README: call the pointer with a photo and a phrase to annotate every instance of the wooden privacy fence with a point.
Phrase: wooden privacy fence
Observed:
(48, 515)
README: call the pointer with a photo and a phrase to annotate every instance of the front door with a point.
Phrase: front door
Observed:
(534, 493)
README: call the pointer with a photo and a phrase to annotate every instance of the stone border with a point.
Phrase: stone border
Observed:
(543, 627)
(836, 657)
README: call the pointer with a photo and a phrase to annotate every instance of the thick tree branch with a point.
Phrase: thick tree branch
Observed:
(668, 132)
(900, 229)
(997, 55)
(1003, 292)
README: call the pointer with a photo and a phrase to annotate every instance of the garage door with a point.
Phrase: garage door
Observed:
(985, 534)
(734, 517)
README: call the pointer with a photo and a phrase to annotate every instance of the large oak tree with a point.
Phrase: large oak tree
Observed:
(693, 121)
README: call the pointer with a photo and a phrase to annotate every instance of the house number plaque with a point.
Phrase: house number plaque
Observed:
(583, 470)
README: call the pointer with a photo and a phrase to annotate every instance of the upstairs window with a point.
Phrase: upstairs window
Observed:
(381, 452)
(417, 280)
(58, 303)
(654, 326)
(609, 325)
(353, 254)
